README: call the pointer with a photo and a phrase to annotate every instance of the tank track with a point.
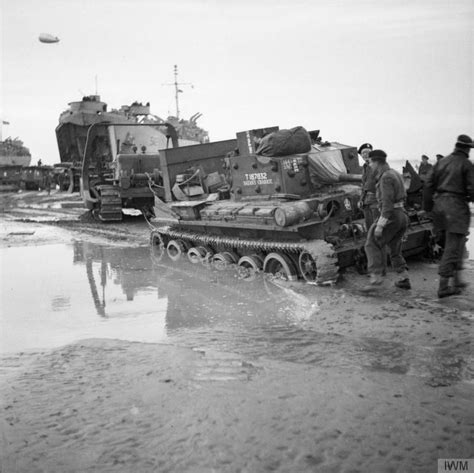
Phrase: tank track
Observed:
(322, 252)
(110, 207)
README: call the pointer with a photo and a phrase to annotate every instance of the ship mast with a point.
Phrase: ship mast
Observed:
(177, 90)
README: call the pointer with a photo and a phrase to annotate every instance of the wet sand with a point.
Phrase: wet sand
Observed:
(331, 382)
(113, 406)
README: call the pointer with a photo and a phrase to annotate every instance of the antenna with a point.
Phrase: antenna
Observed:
(96, 87)
(177, 90)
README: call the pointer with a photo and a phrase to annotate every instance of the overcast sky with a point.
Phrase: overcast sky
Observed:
(398, 74)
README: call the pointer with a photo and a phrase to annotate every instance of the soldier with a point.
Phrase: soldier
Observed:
(448, 190)
(47, 182)
(368, 201)
(425, 168)
(390, 227)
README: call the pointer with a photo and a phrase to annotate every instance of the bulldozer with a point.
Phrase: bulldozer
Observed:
(119, 168)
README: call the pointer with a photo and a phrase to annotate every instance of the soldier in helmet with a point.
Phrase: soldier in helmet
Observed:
(390, 227)
(449, 188)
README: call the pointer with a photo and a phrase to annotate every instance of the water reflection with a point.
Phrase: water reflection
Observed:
(52, 295)
(97, 291)
(132, 270)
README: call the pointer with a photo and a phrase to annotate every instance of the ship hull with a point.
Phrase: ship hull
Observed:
(15, 160)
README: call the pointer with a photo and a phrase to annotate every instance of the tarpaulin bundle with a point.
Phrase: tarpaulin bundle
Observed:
(326, 166)
(285, 142)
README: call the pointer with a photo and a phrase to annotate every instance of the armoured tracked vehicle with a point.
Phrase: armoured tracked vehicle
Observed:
(119, 170)
(293, 215)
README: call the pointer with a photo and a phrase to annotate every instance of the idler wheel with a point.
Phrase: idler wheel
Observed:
(308, 267)
(157, 247)
(224, 259)
(249, 266)
(198, 254)
(175, 249)
(280, 266)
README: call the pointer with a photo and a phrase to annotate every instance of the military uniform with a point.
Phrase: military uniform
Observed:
(392, 225)
(449, 188)
(424, 170)
(368, 198)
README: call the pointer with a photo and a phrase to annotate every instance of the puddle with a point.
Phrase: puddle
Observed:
(52, 295)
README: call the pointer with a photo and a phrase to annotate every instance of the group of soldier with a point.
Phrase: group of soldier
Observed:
(448, 187)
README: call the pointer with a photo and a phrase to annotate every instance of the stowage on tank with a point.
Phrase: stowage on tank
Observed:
(279, 201)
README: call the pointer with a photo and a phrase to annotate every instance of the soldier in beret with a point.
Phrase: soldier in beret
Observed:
(390, 227)
(368, 201)
(448, 190)
(425, 168)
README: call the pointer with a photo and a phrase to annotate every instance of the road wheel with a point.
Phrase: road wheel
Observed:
(175, 249)
(280, 266)
(249, 266)
(198, 254)
(224, 259)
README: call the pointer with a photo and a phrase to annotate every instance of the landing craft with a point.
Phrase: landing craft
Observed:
(48, 38)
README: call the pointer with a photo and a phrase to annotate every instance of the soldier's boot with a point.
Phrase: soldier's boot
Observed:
(375, 283)
(445, 290)
(403, 281)
(458, 281)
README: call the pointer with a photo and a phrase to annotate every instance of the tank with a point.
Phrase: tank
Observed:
(293, 215)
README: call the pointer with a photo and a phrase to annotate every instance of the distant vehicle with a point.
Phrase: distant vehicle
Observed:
(48, 38)
(34, 178)
(10, 177)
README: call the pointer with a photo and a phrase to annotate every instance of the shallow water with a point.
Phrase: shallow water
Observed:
(52, 295)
